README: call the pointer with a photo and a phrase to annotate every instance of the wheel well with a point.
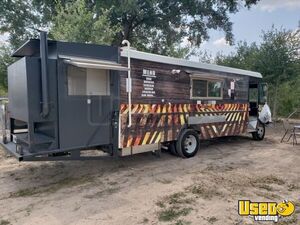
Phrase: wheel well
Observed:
(195, 128)
(186, 126)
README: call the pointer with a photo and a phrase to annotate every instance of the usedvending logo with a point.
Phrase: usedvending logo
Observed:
(266, 211)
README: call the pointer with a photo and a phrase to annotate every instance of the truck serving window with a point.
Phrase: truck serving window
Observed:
(206, 88)
(86, 81)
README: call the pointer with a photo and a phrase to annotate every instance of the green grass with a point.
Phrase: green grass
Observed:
(179, 198)
(182, 222)
(174, 199)
(271, 179)
(52, 187)
(174, 206)
(161, 204)
(24, 193)
(4, 222)
(173, 213)
(292, 187)
(179, 204)
(200, 190)
(212, 219)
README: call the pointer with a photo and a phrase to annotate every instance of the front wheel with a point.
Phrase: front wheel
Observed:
(259, 134)
(188, 143)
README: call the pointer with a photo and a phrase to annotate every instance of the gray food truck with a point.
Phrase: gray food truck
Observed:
(64, 98)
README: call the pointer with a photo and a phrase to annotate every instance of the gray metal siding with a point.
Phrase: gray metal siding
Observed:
(18, 90)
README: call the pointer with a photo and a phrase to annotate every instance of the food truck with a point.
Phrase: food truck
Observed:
(65, 98)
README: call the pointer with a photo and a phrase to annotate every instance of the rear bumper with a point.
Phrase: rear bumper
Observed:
(53, 155)
(11, 148)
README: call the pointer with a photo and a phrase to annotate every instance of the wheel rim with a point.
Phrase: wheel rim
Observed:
(260, 131)
(190, 144)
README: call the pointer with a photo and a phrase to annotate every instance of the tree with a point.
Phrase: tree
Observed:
(21, 19)
(288, 97)
(278, 59)
(17, 19)
(160, 26)
(75, 22)
(245, 57)
(157, 26)
(5, 61)
(203, 56)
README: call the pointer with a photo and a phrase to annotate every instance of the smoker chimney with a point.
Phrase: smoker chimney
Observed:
(44, 72)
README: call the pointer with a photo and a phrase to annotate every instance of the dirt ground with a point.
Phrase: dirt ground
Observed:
(145, 189)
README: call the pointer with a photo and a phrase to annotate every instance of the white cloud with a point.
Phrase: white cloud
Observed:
(272, 5)
(221, 42)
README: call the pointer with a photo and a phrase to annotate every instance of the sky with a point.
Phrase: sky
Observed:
(248, 24)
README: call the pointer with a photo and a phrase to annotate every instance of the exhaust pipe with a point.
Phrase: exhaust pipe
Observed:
(44, 73)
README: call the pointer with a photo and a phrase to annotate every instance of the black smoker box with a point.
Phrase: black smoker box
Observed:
(47, 115)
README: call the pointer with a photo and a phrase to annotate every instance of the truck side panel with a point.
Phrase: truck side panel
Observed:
(160, 115)
(155, 123)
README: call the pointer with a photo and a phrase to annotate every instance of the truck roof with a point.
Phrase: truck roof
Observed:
(186, 63)
(32, 46)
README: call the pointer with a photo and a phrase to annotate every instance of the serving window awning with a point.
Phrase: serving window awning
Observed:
(92, 63)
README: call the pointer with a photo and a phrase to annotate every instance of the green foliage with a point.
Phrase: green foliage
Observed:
(154, 25)
(289, 97)
(245, 57)
(18, 21)
(204, 56)
(160, 26)
(76, 22)
(277, 58)
(279, 55)
(5, 60)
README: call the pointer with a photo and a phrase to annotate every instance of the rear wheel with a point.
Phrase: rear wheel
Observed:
(259, 134)
(188, 143)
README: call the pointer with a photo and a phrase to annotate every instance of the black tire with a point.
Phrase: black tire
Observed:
(188, 143)
(260, 132)
(4, 140)
(172, 148)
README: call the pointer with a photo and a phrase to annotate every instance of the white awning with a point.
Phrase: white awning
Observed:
(185, 63)
(92, 63)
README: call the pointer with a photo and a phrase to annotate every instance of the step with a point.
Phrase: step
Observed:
(38, 138)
